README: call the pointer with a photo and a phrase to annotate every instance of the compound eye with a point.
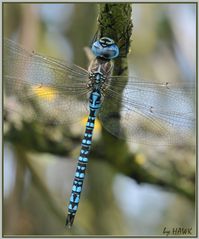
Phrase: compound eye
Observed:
(111, 52)
(105, 48)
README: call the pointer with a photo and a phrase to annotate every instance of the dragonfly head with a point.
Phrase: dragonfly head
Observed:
(106, 48)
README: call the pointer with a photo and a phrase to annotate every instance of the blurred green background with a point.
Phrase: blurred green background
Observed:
(37, 184)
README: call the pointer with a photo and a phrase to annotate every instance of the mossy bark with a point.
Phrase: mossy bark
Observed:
(115, 21)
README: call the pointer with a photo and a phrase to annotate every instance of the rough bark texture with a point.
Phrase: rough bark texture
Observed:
(115, 21)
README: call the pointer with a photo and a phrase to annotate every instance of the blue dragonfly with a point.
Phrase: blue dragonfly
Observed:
(140, 111)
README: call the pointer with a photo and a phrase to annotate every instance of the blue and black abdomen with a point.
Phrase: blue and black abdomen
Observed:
(83, 158)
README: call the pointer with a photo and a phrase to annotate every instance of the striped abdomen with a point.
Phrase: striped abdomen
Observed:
(83, 158)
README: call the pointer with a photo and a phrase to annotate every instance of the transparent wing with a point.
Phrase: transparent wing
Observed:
(149, 113)
(43, 88)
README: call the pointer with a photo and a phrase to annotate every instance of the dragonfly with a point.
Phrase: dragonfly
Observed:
(144, 112)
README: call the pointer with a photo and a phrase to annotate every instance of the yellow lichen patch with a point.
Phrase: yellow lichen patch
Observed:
(97, 127)
(84, 120)
(44, 92)
(140, 159)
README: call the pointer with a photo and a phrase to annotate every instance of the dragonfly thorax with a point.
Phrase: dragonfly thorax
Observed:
(97, 79)
(99, 73)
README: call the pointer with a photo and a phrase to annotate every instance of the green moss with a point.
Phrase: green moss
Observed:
(114, 21)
